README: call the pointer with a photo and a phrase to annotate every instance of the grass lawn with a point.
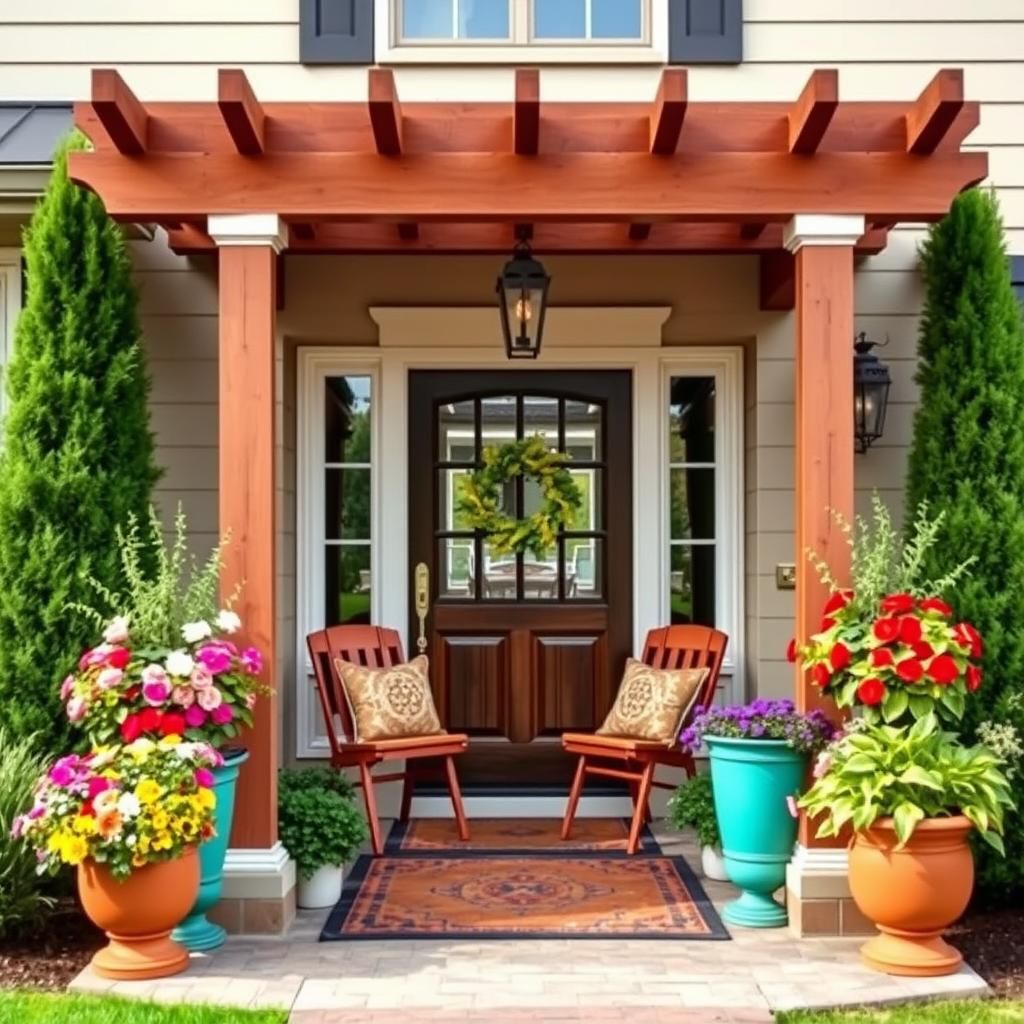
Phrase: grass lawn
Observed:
(57, 1008)
(975, 1011)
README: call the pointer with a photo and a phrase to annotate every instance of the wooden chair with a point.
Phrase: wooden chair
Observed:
(376, 648)
(671, 647)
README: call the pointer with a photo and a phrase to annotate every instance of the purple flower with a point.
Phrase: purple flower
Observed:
(215, 658)
(204, 777)
(252, 661)
(761, 719)
(195, 717)
(222, 714)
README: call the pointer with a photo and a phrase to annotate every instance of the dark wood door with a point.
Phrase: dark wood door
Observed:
(523, 648)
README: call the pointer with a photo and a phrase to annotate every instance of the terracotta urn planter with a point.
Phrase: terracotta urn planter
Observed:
(138, 915)
(913, 894)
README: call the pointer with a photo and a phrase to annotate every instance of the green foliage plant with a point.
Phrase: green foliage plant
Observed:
(693, 806)
(23, 899)
(909, 774)
(318, 822)
(77, 454)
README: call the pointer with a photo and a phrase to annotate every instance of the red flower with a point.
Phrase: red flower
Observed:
(820, 675)
(839, 657)
(791, 650)
(132, 693)
(923, 650)
(968, 638)
(910, 671)
(973, 678)
(826, 625)
(936, 604)
(98, 784)
(871, 691)
(149, 719)
(897, 604)
(839, 600)
(131, 728)
(886, 630)
(881, 657)
(910, 630)
(172, 724)
(119, 657)
(943, 669)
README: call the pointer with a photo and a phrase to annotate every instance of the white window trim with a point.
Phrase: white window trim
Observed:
(653, 49)
(389, 366)
(10, 307)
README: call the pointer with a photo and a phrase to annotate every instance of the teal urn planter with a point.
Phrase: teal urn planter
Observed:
(752, 780)
(196, 933)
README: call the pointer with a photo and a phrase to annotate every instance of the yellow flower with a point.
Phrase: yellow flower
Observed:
(163, 841)
(159, 820)
(143, 844)
(75, 850)
(169, 741)
(138, 860)
(84, 825)
(148, 790)
(206, 799)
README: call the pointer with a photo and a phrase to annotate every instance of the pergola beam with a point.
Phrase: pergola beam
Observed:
(669, 112)
(408, 231)
(385, 112)
(123, 117)
(243, 115)
(933, 113)
(639, 232)
(526, 115)
(813, 111)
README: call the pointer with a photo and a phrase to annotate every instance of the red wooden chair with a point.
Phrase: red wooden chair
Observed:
(376, 648)
(671, 647)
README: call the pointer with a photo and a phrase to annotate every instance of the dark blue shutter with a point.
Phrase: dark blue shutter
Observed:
(336, 31)
(1017, 276)
(705, 31)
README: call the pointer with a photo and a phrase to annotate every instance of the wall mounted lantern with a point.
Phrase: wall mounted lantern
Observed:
(522, 298)
(871, 382)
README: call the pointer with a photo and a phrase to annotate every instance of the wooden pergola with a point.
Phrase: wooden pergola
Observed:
(806, 185)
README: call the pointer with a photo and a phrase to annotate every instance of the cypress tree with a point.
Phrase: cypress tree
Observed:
(77, 454)
(967, 457)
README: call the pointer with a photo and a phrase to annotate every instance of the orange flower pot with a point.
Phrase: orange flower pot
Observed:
(138, 915)
(913, 894)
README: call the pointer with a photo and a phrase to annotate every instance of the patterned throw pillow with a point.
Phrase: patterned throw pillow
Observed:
(389, 703)
(652, 702)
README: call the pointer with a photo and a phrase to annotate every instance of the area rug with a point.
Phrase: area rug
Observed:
(502, 896)
(512, 835)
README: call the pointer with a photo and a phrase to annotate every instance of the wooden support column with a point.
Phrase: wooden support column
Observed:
(249, 245)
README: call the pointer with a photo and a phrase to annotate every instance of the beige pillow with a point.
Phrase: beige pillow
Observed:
(389, 703)
(652, 702)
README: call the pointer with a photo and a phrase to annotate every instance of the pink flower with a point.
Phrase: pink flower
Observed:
(117, 631)
(184, 696)
(823, 764)
(76, 709)
(204, 777)
(201, 678)
(215, 658)
(195, 717)
(63, 772)
(66, 687)
(109, 678)
(154, 673)
(18, 827)
(209, 698)
(252, 661)
(156, 693)
(222, 714)
(96, 656)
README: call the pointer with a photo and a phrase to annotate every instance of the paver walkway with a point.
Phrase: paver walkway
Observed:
(642, 981)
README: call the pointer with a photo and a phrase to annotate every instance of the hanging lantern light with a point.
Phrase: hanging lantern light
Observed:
(871, 382)
(522, 297)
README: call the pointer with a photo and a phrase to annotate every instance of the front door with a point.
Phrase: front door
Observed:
(523, 648)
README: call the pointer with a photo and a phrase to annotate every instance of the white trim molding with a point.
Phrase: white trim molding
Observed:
(258, 874)
(10, 308)
(818, 872)
(248, 229)
(822, 229)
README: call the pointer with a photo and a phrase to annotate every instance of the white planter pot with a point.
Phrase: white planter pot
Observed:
(712, 864)
(322, 889)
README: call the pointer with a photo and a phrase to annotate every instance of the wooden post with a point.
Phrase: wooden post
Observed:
(249, 245)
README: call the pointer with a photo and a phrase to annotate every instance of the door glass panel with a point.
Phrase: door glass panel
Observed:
(540, 417)
(583, 431)
(456, 566)
(584, 568)
(692, 581)
(498, 419)
(692, 510)
(347, 584)
(347, 504)
(692, 420)
(499, 580)
(347, 419)
(456, 432)
(449, 491)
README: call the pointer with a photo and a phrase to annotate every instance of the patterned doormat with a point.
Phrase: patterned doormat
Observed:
(505, 896)
(512, 835)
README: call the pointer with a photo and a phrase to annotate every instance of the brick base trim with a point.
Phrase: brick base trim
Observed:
(255, 916)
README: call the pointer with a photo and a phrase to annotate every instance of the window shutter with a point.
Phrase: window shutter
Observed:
(336, 31)
(705, 31)
(1017, 276)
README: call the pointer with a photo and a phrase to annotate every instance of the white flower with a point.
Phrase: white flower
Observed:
(179, 663)
(228, 621)
(193, 632)
(117, 631)
(130, 841)
(128, 805)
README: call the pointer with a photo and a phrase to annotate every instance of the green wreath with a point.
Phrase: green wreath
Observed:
(480, 501)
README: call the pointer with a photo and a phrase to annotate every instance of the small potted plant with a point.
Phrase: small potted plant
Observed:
(758, 754)
(913, 794)
(130, 820)
(692, 806)
(321, 829)
(169, 664)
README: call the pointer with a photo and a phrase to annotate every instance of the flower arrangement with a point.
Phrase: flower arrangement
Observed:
(167, 665)
(890, 644)
(907, 773)
(806, 732)
(124, 807)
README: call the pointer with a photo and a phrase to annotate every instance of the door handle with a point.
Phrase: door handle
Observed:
(422, 601)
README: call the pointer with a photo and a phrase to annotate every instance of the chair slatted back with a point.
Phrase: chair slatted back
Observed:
(370, 646)
(687, 646)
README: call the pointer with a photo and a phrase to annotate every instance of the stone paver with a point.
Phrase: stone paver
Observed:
(611, 981)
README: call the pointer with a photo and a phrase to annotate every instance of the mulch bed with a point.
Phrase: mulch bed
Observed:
(50, 958)
(991, 942)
